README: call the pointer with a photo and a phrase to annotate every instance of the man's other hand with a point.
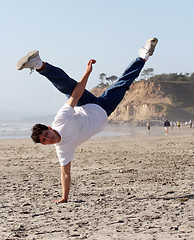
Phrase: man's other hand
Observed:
(89, 65)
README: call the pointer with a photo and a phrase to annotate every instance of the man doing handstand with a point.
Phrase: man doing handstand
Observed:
(83, 115)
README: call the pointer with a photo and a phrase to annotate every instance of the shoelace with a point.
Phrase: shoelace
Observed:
(31, 70)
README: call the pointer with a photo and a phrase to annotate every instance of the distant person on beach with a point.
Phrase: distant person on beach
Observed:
(83, 115)
(148, 126)
(190, 124)
(178, 125)
(166, 126)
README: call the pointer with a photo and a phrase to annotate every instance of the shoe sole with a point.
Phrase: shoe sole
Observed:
(154, 42)
(21, 63)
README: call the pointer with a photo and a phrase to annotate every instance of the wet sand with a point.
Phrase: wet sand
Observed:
(123, 188)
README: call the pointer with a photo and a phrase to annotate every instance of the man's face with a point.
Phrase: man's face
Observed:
(49, 137)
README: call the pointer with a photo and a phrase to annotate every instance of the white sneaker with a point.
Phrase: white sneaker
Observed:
(148, 50)
(32, 60)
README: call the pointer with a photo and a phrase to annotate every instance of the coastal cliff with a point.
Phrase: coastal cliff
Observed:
(154, 100)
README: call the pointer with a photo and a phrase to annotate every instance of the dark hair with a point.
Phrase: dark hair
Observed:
(37, 131)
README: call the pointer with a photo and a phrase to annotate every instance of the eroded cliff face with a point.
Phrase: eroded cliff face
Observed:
(149, 100)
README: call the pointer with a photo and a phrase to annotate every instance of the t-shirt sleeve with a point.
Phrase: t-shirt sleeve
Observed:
(66, 158)
(64, 113)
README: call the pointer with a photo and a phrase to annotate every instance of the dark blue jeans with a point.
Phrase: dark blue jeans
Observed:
(110, 98)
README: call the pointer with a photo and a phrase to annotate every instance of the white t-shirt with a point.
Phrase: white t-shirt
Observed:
(76, 125)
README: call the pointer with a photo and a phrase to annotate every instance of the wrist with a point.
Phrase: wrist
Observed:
(88, 72)
(64, 199)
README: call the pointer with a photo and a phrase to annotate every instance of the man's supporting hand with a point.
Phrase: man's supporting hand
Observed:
(66, 181)
(62, 200)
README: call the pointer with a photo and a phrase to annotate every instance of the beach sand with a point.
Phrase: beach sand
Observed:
(125, 187)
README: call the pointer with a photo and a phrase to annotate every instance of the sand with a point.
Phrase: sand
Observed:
(125, 187)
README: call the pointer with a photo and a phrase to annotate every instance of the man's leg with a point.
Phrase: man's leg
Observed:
(57, 76)
(111, 97)
(65, 84)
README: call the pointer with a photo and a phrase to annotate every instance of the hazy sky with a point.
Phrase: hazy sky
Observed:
(70, 32)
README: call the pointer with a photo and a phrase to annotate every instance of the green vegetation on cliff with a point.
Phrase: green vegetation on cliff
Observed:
(173, 77)
(148, 75)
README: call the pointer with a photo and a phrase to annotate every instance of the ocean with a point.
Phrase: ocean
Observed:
(15, 130)
(22, 130)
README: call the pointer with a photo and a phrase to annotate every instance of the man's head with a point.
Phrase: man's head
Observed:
(45, 135)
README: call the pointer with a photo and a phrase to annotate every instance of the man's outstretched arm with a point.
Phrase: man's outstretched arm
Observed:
(80, 87)
(66, 181)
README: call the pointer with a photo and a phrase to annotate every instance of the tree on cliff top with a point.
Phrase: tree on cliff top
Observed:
(147, 73)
